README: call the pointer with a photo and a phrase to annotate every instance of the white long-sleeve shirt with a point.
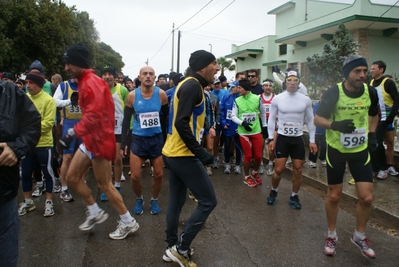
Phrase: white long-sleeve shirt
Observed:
(59, 98)
(291, 109)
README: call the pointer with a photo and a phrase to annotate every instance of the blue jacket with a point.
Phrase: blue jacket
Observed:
(226, 105)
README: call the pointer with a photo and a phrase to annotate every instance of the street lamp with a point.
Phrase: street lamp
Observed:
(210, 47)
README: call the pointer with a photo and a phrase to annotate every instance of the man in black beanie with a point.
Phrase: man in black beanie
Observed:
(349, 140)
(184, 156)
(96, 128)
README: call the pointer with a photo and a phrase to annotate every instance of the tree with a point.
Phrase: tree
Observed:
(106, 55)
(43, 30)
(225, 64)
(326, 70)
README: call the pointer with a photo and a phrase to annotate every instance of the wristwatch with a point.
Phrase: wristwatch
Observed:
(269, 140)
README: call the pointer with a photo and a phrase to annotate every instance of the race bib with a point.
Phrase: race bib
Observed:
(118, 124)
(266, 107)
(290, 129)
(74, 109)
(229, 114)
(249, 117)
(149, 120)
(354, 139)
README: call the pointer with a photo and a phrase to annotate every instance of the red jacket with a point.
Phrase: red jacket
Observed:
(96, 128)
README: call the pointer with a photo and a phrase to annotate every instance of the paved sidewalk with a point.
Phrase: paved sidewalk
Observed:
(385, 195)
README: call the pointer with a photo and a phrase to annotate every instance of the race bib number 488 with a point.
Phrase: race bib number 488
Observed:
(149, 120)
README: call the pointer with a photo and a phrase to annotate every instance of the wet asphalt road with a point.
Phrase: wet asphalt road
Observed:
(242, 231)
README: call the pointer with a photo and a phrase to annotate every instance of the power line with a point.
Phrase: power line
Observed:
(194, 15)
(161, 46)
(383, 14)
(214, 16)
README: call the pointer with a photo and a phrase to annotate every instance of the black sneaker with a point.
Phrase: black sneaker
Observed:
(271, 199)
(294, 202)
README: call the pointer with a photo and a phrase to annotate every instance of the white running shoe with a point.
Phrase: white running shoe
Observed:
(382, 174)
(93, 220)
(260, 170)
(237, 169)
(392, 171)
(323, 163)
(209, 170)
(123, 178)
(25, 207)
(48, 209)
(124, 229)
(312, 164)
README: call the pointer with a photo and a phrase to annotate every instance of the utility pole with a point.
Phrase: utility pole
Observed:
(178, 51)
(173, 45)
(210, 46)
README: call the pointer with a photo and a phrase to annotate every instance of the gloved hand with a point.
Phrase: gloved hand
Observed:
(274, 69)
(74, 99)
(345, 126)
(204, 156)
(247, 126)
(372, 142)
(277, 69)
(67, 139)
(264, 131)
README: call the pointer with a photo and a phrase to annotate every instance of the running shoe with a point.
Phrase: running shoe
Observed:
(209, 170)
(123, 178)
(38, 190)
(66, 196)
(103, 197)
(155, 209)
(122, 230)
(184, 260)
(166, 258)
(260, 170)
(364, 247)
(152, 171)
(138, 209)
(57, 185)
(289, 162)
(93, 220)
(323, 163)
(382, 174)
(48, 209)
(256, 177)
(392, 171)
(352, 181)
(271, 199)
(249, 181)
(269, 169)
(215, 163)
(329, 247)
(312, 164)
(25, 207)
(237, 169)
(227, 168)
(294, 202)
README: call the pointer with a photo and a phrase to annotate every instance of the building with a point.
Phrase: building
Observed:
(303, 27)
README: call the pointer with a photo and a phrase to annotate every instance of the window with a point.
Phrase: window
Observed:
(282, 49)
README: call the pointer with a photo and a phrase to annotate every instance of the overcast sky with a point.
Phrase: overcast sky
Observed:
(141, 30)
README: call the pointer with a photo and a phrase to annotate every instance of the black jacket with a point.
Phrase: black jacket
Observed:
(20, 125)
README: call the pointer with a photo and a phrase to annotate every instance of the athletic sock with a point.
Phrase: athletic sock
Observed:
(357, 236)
(64, 188)
(127, 218)
(332, 234)
(117, 184)
(294, 194)
(93, 209)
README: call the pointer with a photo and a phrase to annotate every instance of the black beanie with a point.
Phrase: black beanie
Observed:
(77, 55)
(352, 62)
(244, 83)
(110, 69)
(37, 78)
(200, 59)
(8, 75)
(178, 78)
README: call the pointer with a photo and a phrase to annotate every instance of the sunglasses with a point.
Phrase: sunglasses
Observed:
(251, 76)
(292, 80)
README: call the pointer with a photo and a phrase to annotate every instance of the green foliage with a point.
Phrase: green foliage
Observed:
(225, 64)
(107, 55)
(43, 30)
(326, 69)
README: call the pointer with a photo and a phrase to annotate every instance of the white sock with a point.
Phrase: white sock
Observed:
(332, 234)
(293, 194)
(93, 209)
(127, 218)
(64, 188)
(39, 183)
(275, 189)
(357, 236)
(27, 200)
(117, 184)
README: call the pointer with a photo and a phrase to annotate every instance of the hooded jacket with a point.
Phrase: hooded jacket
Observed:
(20, 124)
